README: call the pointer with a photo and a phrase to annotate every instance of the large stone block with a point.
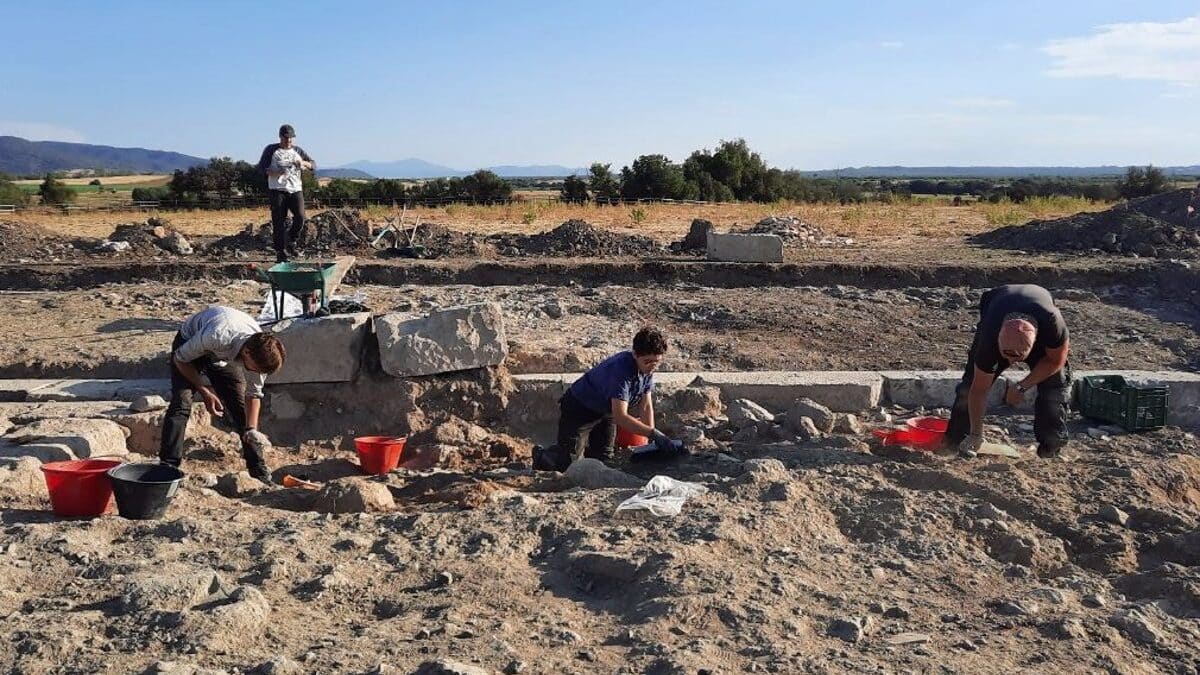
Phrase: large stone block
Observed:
(840, 391)
(444, 341)
(934, 388)
(84, 437)
(58, 390)
(757, 248)
(321, 349)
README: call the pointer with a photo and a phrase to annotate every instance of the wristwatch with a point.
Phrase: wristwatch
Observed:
(1022, 388)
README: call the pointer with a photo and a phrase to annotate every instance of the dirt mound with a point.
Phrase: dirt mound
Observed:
(796, 233)
(329, 231)
(575, 238)
(32, 242)
(151, 237)
(439, 241)
(1153, 227)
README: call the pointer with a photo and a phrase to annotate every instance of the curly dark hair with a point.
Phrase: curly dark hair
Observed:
(648, 341)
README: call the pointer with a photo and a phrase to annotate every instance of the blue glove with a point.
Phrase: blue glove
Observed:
(661, 442)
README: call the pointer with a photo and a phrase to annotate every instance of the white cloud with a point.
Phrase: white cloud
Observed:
(40, 131)
(981, 102)
(1166, 52)
(891, 44)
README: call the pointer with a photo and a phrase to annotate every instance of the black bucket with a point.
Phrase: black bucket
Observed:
(143, 491)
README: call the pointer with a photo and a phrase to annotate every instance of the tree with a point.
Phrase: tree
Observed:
(602, 183)
(1142, 182)
(340, 189)
(151, 194)
(95, 182)
(11, 194)
(741, 172)
(53, 191)
(574, 190)
(485, 187)
(655, 177)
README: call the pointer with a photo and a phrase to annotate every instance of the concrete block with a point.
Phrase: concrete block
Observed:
(321, 349)
(840, 391)
(935, 388)
(754, 248)
(447, 340)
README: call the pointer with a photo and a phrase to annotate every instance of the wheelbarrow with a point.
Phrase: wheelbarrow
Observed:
(301, 279)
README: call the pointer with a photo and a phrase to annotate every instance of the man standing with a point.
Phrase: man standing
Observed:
(283, 163)
(1018, 322)
(228, 347)
(616, 392)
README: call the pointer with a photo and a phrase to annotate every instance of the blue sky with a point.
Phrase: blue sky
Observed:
(809, 85)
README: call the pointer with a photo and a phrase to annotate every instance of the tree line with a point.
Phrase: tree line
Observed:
(731, 172)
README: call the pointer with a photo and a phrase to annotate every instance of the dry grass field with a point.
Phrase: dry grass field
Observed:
(872, 221)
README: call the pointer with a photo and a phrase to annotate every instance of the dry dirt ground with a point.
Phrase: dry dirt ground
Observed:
(826, 555)
(803, 557)
(124, 330)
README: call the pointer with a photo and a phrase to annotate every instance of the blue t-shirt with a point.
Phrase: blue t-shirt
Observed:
(615, 377)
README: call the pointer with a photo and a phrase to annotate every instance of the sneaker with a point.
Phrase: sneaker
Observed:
(1049, 453)
(967, 454)
(281, 257)
(292, 252)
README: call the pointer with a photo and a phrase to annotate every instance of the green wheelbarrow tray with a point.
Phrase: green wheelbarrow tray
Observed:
(300, 279)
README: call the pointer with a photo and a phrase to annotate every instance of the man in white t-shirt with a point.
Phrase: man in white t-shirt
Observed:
(283, 163)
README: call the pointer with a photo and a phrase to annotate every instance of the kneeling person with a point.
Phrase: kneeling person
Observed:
(229, 347)
(1018, 322)
(615, 393)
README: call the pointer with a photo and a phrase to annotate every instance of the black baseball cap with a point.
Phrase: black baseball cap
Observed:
(287, 131)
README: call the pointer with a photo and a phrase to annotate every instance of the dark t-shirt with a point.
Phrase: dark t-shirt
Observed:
(615, 377)
(1024, 299)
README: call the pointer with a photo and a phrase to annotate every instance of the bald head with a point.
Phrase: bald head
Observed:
(1017, 335)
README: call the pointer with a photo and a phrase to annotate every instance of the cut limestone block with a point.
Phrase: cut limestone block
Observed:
(447, 340)
(754, 248)
(321, 349)
(84, 437)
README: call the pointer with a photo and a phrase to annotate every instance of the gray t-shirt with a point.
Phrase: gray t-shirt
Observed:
(221, 332)
(1028, 299)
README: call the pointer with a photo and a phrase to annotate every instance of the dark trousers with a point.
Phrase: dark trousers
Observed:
(582, 431)
(1049, 409)
(281, 203)
(230, 388)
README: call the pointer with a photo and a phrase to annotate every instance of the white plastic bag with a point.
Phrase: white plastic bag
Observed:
(662, 496)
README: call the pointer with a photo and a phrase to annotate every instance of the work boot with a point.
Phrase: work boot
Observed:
(546, 459)
(1049, 453)
(263, 474)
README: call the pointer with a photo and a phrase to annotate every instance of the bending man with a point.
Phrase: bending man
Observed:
(616, 392)
(1016, 323)
(229, 348)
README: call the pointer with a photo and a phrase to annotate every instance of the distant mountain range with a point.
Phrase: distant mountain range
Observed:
(20, 157)
(344, 173)
(27, 158)
(989, 171)
(419, 168)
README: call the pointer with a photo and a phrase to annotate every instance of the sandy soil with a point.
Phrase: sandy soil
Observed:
(813, 557)
(124, 330)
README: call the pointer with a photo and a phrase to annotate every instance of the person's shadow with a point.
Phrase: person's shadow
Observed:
(139, 324)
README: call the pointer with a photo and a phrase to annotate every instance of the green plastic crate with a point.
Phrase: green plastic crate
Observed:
(1133, 408)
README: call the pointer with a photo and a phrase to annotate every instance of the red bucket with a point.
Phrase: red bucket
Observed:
(936, 425)
(628, 439)
(79, 488)
(378, 454)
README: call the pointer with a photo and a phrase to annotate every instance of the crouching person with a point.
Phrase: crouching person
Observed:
(230, 349)
(618, 392)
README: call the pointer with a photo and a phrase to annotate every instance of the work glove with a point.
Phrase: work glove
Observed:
(969, 446)
(257, 440)
(661, 442)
